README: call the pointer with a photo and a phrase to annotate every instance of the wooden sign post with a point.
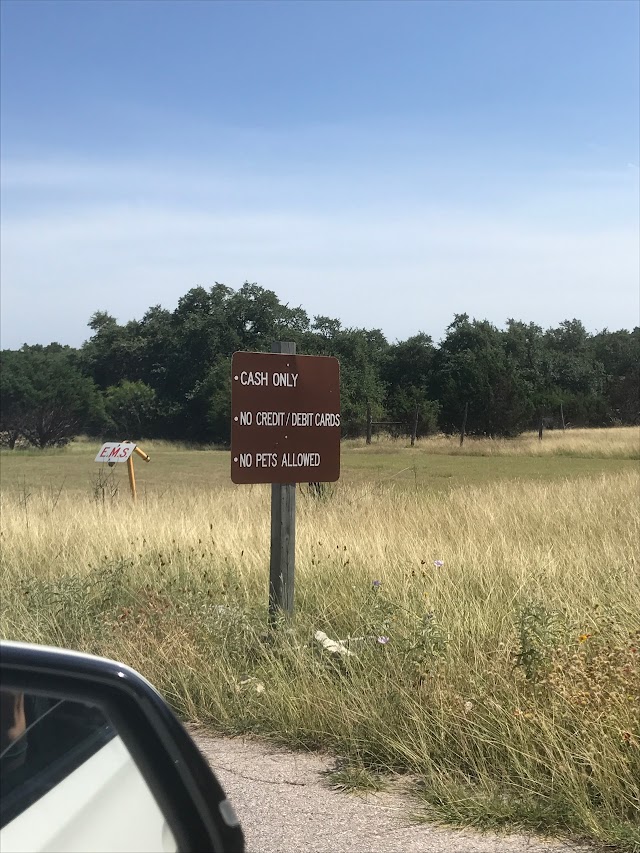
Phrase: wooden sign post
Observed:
(285, 429)
(282, 561)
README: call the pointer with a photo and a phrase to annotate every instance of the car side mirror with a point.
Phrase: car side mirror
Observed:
(93, 759)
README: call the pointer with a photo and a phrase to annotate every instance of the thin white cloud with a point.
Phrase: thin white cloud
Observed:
(400, 249)
(397, 272)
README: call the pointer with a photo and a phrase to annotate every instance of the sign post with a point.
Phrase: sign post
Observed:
(122, 451)
(285, 429)
(283, 532)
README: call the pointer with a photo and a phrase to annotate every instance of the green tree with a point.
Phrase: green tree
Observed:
(577, 376)
(46, 398)
(131, 407)
(108, 356)
(509, 378)
(12, 397)
(619, 354)
(360, 352)
(573, 366)
(407, 372)
(210, 401)
(473, 366)
(178, 353)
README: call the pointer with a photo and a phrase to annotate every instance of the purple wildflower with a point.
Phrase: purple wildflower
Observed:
(376, 584)
(383, 640)
(438, 563)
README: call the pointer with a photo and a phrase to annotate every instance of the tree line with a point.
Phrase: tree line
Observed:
(168, 374)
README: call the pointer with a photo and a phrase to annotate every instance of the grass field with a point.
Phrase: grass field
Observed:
(490, 600)
(435, 463)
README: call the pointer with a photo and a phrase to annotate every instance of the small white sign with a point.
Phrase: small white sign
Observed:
(115, 451)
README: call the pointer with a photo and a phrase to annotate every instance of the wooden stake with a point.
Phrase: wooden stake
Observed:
(132, 478)
(369, 424)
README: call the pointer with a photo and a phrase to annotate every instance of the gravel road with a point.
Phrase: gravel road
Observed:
(285, 806)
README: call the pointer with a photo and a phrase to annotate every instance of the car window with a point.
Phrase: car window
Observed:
(43, 740)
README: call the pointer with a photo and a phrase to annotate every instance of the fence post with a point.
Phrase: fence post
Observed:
(283, 533)
(464, 424)
(540, 428)
(414, 432)
(562, 416)
(369, 424)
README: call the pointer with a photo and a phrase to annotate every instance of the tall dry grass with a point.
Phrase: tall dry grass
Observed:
(610, 443)
(496, 659)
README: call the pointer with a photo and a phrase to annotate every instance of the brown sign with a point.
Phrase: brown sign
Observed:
(285, 418)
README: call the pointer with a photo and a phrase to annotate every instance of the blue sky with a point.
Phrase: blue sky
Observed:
(389, 164)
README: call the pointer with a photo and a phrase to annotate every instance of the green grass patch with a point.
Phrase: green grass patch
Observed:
(427, 466)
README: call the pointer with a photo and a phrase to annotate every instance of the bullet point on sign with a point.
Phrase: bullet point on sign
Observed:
(235, 458)
(236, 418)
(236, 378)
